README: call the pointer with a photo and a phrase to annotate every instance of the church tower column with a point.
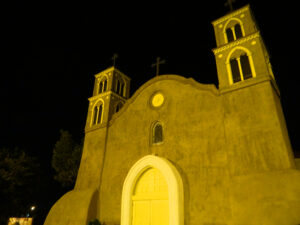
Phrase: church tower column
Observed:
(111, 89)
(250, 96)
(241, 56)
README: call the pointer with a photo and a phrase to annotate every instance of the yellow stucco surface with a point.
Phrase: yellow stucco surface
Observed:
(229, 145)
(270, 198)
(75, 207)
(219, 143)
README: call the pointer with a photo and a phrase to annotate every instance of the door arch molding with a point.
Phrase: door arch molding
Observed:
(173, 180)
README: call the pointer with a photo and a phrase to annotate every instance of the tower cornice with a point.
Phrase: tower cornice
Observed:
(230, 15)
(236, 42)
(109, 70)
(108, 93)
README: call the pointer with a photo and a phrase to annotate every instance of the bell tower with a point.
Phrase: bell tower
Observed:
(111, 90)
(241, 56)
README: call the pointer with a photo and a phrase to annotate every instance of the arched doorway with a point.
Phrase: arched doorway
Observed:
(152, 194)
(150, 200)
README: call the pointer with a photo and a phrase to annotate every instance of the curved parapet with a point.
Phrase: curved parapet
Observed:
(76, 207)
(186, 82)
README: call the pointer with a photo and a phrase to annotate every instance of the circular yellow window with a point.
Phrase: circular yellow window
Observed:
(157, 100)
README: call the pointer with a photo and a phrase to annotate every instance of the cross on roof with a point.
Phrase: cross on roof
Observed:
(115, 56)
(230, 3)
(158, 62)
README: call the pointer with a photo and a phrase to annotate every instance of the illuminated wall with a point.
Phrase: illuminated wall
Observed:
(180, 152)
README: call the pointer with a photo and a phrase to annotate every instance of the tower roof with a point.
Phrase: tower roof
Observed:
(231, 14)
(111, 69)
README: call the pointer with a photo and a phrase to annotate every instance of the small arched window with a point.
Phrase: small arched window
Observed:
(102, 86)
(240, 68)
(105, 85)
(229, 34)
(157, 133)
(238, 31)
(100, 108)
(118, 86)
(246, 69)
(235, 71)
(97, 114)
(234, 31)
(122, 89)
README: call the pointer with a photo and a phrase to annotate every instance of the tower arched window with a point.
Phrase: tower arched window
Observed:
(105, 85)
(97, 114)
(235, 71)
(246, 69)
(157, 133)
(100, 108)
(229, 34)
(238, 31)
(102, 86)
(240, 68)
(120, 87)
(233, 31)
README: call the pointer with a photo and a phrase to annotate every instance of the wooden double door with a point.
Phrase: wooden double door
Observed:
(150, 201)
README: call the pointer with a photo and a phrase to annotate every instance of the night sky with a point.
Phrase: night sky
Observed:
(50, 54)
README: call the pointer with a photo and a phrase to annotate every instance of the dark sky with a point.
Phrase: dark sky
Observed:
(50, 54)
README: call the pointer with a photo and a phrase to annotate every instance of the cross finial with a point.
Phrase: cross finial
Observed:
(230, 3)
(158, 62)
(115, 56)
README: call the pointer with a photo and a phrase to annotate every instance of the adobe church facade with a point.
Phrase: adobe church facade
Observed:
(198, 156)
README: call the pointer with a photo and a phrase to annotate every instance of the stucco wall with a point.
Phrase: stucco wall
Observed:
(208, 136)
(192, 141)
(271, 198)
(256, 139)
(91, 164)
(76, 207)
(230, 149)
